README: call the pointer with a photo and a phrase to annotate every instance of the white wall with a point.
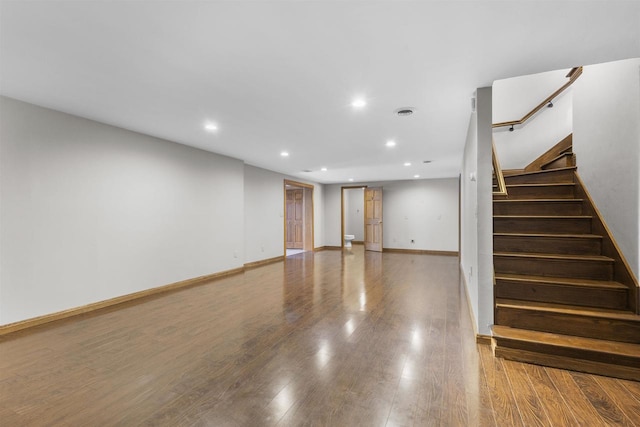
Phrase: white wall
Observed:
(264, 213)
(90, 211)
(354, 212)
(606, 140)
(469, 214)
(485, 212)
(515, 97)
(477, 213)
(423, 210)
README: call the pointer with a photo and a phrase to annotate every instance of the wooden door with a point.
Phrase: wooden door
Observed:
(295, 219)
(373, 219)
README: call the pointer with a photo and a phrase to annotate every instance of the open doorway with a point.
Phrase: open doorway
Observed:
(352, 215)
(361, 217)
(298, 217)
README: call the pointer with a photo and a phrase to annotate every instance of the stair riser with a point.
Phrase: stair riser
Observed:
(609, 369)
(593, 355)
(549, 245)
(542, 225)
(598, 270)
(514, 207)
(541, 192)
(569, 324)
(565, 161)
(540, 178)
(562, 294)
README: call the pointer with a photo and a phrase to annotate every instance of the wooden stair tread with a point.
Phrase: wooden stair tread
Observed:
(604, 313)
(553, 235)
(512, 172)
(541, 200)
(594, 258)
(569, 281)
(544, 216)
(579, 343)
(543, 184)
(559, 156)
(542, 171)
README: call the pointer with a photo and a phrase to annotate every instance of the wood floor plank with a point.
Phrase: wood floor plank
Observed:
(620, 395)
(503, 401)
(581, 408)
(549, 397)
(526, 397)
(608, 409)
(327, 338)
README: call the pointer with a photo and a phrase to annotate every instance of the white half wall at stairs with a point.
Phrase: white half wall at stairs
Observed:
(513, 99)
(476, 247)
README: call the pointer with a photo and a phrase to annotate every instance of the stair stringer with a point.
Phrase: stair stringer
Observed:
(621, 271)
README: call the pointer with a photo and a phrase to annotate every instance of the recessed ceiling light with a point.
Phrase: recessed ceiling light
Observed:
(350, 179)
(211, 127)
(390, 143)
(358, 103)
(416, 176)
(284, 154)
(323, 169)
(407, 163)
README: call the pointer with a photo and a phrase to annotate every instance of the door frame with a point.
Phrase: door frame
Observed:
(349, 187)
(308, 236)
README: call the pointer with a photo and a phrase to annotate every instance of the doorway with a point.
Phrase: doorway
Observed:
(371, 205)
(298, 217)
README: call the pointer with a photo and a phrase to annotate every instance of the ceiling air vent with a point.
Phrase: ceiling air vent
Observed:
(405, 111)
(306, 170)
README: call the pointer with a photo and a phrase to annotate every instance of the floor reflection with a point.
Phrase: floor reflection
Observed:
(329, 338)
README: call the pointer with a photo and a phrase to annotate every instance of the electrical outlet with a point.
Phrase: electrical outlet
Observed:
(413, 241)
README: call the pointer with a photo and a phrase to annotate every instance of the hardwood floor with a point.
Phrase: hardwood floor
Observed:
(331, 338)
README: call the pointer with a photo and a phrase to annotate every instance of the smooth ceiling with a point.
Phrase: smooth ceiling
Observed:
(280, 75)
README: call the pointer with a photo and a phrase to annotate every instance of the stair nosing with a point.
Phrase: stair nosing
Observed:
(568, 309)
(562, 281)
(543, 171)
(552, 235)
(559, 156)
(572, 257)
(543, 184)
(541, 200)
(545, 216)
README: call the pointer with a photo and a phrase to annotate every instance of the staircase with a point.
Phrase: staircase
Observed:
(563, 296)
